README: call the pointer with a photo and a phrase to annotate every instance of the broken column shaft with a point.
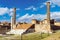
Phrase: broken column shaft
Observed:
(14, 18)
(48, 12)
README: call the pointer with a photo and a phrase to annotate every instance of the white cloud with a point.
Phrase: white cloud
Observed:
(55, 15)
(53, 2)
(28, 18)
(5, 10)
(56, 2)
(45, 3)
(31, 8)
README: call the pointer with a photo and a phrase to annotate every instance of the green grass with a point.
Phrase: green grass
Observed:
(34, 36)
(54, 36)
(30, 36)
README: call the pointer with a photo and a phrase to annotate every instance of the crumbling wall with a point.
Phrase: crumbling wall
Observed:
(3, 30)
(57, 23)
(42, 28)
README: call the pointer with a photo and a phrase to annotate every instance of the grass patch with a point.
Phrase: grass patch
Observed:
(30, 36)
(34, 36)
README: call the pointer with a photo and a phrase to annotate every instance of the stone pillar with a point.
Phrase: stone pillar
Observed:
(48, 18)
(14, 18)
(11, 23)
(48, 12)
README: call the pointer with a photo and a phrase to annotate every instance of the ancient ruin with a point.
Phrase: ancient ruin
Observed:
(35, 26)
(46, 26)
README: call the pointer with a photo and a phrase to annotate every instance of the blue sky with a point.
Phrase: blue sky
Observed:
(28, 9)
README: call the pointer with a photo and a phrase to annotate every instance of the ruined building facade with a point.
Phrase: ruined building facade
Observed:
(44, 26)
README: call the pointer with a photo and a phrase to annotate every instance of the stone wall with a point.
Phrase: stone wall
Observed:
(57, 23)
(3, 30)
(42, 28)
(16, 31)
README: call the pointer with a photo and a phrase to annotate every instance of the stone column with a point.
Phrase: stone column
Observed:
(48, 18)
(48, 12)
(14, 17)
(11, 23)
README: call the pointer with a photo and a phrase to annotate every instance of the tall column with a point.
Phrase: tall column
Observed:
(48, 12)
(48, 18)
(14, 18)
(11, 23)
